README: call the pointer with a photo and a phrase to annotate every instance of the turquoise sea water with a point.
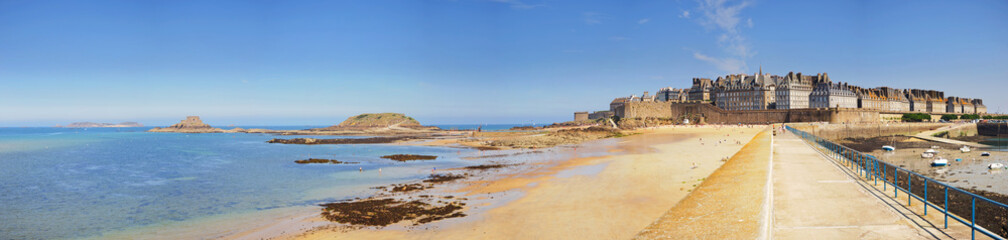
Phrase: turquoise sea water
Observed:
(70, 183)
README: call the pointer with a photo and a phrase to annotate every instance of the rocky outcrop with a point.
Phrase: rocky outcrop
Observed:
(378, 122)
(96, 125)
(192, 124)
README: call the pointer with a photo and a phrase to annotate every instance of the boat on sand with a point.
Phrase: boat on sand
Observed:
(940, 162)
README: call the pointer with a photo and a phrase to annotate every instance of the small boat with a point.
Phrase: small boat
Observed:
(964, 149)
(940, 162)
(996, 166)
(932, 151)
(927, 155)
(935, 147)
(985, 154)
(888, 148)
(958, 159)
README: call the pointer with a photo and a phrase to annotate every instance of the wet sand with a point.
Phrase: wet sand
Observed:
(969, 173)
(612, 195)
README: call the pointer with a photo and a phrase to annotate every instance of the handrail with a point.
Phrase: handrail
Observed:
(867, 166)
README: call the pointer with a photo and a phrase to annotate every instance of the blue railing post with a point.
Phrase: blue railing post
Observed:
(946, 207)
(895, 189)
(925, 197)
(874, 171)
(973, 218)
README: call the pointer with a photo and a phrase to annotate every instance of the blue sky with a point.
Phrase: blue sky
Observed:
(462, 61)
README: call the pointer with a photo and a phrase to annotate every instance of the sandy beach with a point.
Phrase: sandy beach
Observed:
(596, 197)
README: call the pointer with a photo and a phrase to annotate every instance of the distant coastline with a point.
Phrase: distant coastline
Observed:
(97, 125)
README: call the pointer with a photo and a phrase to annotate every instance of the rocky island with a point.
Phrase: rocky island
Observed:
(192, 124)
(98, 125)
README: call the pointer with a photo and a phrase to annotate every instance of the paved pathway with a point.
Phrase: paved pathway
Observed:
(815, 198)
(810, 197)
(929, 135)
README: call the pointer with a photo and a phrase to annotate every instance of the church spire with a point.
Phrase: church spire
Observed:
(761, 69)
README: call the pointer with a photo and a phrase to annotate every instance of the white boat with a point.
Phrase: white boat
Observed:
(927, 155)
(888, 148)
(996, 166)
(932, 151)
(964, 149)
(985, 154)
(939, 162)
(935, 147)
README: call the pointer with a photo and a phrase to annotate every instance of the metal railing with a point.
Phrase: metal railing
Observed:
(902, 180)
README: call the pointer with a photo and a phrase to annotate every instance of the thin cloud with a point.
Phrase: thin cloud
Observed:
(725, 17)
(725, 64)
(517, 4)
(643, 21)
(618, 38)
(591, 18)
(684, 14)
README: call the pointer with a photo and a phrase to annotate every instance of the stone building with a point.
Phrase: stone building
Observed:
(967, 106)
(702, 90)
(793, 90)
(600, 114)
(929, 101)
(895, 99)
(580, 116)
(936, 101)
(868, 98)
(743, 92)
(617, 103)
(917, 99)
(884, 99)
(646, 97)
(826, 94)
(954, 105)
(672, 94)
(978, 106)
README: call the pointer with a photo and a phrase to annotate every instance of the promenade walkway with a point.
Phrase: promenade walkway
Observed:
(929, 135)
(811, 197)
(814, 198)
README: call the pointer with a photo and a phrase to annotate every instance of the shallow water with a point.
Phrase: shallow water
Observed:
(71, 183)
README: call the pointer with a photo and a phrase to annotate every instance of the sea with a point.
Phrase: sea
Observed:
(59, 183)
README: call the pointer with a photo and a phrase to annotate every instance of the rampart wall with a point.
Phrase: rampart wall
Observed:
(707, 113)
(992, 129)
(865, 130)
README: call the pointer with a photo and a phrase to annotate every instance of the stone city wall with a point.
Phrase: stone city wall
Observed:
(865, 130)
(707, 113)
(993, 129)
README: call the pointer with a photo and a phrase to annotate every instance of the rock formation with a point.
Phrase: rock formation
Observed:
(192, 124)
(378, 121)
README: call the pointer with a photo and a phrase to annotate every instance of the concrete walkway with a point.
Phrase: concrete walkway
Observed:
(929, 136)
(815, 198)
(783, 188)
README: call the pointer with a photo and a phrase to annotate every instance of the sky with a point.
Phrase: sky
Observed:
(463, 61)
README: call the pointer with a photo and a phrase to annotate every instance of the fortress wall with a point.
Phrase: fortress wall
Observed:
(866, 130)
(707, 113)
(992, 129)
(647, 110)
